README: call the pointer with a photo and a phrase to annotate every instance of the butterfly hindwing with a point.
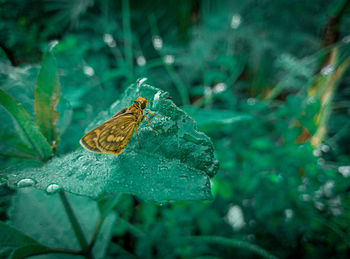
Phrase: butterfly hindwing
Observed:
(116, 136)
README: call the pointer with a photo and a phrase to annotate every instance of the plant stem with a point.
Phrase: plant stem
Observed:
(233, 243)
(63, 251)
(75, 224)
(94, 236)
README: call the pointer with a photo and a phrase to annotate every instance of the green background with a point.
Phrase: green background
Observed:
(253, 158)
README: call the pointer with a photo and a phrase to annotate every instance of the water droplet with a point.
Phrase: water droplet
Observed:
(327, 70)
(305, 197)
(53, 188)
(317, 152)
(235, 217)
(141, 61)
(288, 213)
(109, 40)
(25, 183)
(344, 170)
(207, 91)
(89, 71)
(236, 21)
(220, 87)
(169, 59)
(319, 205)
(251, 101)
(157, 42)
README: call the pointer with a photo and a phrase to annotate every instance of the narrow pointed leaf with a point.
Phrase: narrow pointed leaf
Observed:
(25, 126)
(177, 165)
(46, 95)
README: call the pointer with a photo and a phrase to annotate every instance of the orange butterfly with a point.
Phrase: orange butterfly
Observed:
(112, 136)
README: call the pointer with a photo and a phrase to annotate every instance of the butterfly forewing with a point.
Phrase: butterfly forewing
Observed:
(111, 136)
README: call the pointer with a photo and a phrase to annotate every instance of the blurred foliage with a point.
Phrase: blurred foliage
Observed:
(261, 78)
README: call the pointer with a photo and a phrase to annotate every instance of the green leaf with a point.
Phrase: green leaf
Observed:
(46, 95)
(210, 120)
(176, 165)
(26, 128)
(26, 251)
(15, 244)
(43, 218)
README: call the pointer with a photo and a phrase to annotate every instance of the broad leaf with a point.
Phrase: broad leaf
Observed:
(46, 97)
(43, 218)
(15, 244)
(25, 126)
(176, 165)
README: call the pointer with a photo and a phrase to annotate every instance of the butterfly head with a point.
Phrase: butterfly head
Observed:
(141, 102)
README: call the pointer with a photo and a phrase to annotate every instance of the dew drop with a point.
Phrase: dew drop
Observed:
(169, 59)
(89, 71)
(109, 40)
(141, 61)
(236, 21)
(220, 87)
(327, 70)
(53, 188)
(157, 42)
(25, 183)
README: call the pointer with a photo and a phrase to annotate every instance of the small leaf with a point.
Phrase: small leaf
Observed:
(209, 120)
(46, 95)
(176, 165)
(15, 244)
(26, 128)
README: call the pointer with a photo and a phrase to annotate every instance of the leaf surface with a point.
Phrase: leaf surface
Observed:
(177, 165)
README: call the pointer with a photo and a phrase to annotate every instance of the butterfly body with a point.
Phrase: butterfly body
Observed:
(112, 136)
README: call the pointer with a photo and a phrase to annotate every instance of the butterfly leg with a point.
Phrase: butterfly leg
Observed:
(145, 116)
(137, 134)
(154, 114)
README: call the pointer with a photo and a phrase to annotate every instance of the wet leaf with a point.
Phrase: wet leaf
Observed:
(15, 244)
(43, 218)
(25, 127)
(46, 95)
(176, 165)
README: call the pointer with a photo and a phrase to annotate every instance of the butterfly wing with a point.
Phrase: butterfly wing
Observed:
(112, 136)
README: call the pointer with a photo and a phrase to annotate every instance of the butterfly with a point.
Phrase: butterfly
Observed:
(112, 136)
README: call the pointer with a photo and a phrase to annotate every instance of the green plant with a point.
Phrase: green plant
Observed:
(157, 172)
